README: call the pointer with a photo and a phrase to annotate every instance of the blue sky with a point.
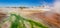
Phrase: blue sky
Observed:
(28, 3)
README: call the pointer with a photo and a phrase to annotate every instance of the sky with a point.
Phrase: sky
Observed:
(26, 3)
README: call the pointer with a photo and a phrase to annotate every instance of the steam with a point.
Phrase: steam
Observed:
(55, 6)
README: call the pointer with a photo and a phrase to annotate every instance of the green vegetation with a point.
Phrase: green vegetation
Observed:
(19, 22)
